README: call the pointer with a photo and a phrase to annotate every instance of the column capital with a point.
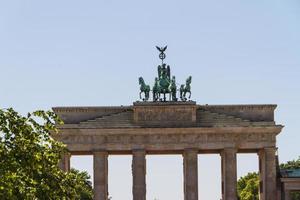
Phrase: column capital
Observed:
(270, 150)
(192, 150)
(67, 154)
(100, 152)
(228, 150)
(139, 151)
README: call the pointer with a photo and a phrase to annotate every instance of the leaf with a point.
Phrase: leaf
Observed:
(29, 159)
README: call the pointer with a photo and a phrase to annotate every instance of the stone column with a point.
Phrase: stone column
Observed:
(287, 195)
(267, 172)
(64, 163)
(190, 171)
(229, 174)
(139, 174)
(100, 175)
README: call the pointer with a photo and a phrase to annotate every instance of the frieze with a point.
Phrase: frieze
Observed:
(168, 138)
(165, 115)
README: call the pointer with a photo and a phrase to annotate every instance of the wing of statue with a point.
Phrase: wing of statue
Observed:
(158, 48)
(165, 48)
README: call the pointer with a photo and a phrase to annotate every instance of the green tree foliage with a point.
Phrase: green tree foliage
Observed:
(294, 164)
(247, 187)
(29, 159)
(295, 195)
(84, 184)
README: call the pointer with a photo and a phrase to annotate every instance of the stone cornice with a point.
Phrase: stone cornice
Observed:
(290, 179)
(146, 131)
(240, 106)
(159, 103)
(90, 108)
(168, 111)
(103, 108)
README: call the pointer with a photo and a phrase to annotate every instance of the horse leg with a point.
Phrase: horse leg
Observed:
(184, 96)
(140, 95)
(181, 93)
(190, 94)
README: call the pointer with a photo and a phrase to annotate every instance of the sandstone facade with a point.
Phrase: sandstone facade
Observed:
(173, 128)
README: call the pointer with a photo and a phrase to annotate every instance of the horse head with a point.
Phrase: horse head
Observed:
(182, 87)
(141, 80)
(189, 80)
(173, 78)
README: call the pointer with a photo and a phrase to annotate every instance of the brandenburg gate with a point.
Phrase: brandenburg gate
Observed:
(172, 126)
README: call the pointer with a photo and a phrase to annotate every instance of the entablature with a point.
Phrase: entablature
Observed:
(169, 139)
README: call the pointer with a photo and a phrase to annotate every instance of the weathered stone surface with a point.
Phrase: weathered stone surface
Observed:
(172, 128)
(100, 175)
(74, 115)
(250, 112)
(165, 113)
(253, 113)
(169, 139)
(64, 162)
(122, 119)
(190, 168)
(139, 174)
(292, 184)
(213, 119)
(267, 171)
(229, 174)
(287, 195)
(289, 185)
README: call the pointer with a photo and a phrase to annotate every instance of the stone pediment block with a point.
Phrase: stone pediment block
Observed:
(165, 113)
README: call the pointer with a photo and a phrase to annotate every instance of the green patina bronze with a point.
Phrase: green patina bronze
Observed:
(144, 89)
(163, 84)
(184, 89)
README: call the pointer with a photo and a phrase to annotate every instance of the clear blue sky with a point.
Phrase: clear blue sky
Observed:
(89, 53)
